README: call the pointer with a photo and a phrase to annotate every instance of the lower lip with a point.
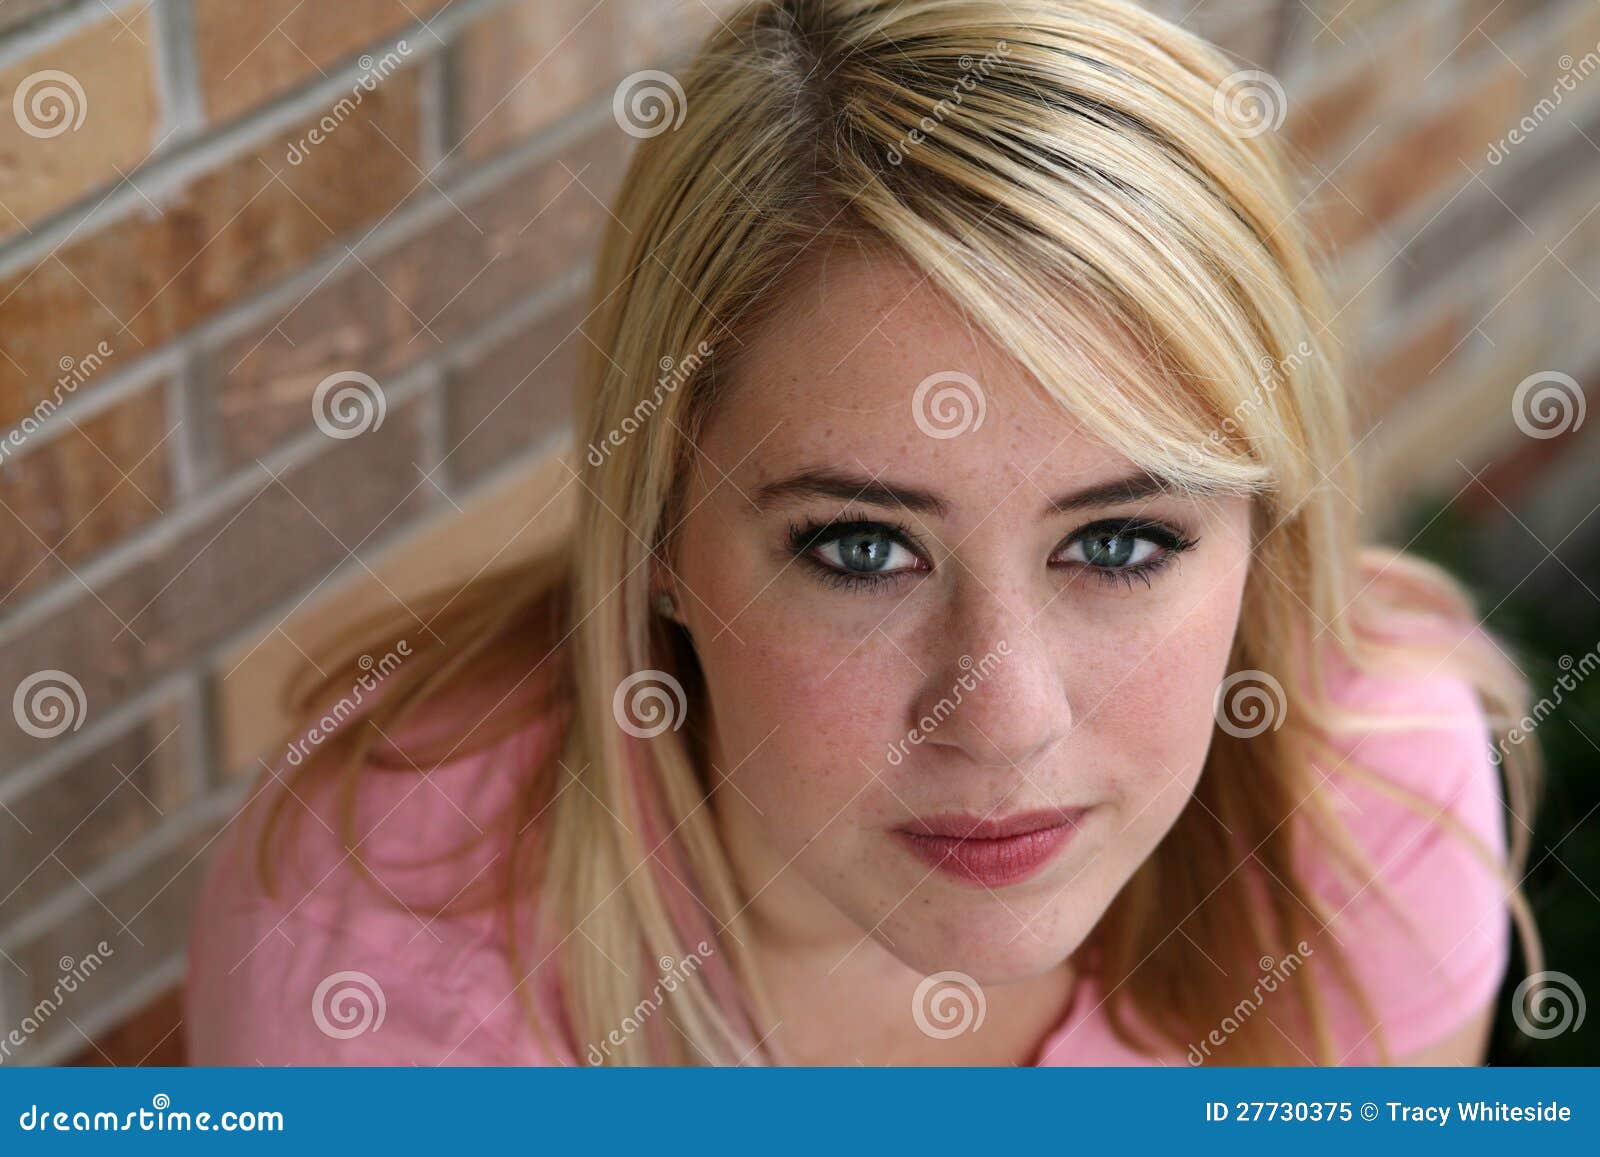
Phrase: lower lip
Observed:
(990, 863)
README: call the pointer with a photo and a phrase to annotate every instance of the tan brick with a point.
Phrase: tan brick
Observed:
(250, 52)
(279, 540)
(92, 811)
(110, 64)
(84, 489)
(525, 233)
(525, 67)
(227, 233)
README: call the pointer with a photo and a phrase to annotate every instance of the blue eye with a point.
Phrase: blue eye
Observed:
(857, 552)
(1112, 549)
(1122, 550)
(861, 553)
(870, 551)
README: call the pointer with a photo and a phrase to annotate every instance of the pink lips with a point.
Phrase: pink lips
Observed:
(991, 852)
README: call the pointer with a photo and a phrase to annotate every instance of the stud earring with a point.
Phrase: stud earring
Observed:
(666, 606)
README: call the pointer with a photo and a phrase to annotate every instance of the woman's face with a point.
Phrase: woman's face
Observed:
(958, 692)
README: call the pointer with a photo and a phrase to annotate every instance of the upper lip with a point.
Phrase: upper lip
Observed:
(967, 826)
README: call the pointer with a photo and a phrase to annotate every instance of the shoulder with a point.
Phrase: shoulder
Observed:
(1412, 778)
(334, 968)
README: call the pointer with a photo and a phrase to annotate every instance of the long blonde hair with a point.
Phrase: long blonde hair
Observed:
(1062, 169)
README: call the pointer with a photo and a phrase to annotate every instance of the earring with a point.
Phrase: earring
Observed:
(666, 606)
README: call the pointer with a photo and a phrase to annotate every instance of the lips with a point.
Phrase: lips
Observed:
(987, 851)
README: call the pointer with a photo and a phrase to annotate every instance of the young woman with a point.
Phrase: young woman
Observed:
(963, 652)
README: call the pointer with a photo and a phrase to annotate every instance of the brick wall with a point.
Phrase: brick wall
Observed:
(227, 202)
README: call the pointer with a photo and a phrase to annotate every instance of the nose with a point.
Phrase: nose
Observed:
(996, 691)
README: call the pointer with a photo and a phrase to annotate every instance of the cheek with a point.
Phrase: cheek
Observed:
(1151, 698)
(798, 705)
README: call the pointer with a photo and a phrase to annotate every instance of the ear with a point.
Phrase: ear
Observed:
(664, 593)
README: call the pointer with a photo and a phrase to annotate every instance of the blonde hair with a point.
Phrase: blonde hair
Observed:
(1064, 170)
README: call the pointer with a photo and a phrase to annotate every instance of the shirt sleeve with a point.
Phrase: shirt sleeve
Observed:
(296, 992)
(1429, 938)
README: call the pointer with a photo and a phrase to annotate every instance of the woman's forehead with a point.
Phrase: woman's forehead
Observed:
(872, 367)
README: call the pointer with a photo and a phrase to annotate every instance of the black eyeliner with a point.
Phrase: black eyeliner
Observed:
(806, 536)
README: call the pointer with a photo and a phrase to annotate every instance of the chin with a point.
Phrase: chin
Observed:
(984, 940)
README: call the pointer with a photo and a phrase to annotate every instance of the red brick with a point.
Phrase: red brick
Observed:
(276, 542)
(530, 64)
(525, 233)
(1419, 160)
(250, 52)
(83, 489)
(227, 233)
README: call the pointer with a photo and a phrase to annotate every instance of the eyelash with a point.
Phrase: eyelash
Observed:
(805, 537)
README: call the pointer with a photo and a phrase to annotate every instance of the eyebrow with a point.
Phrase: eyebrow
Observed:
(822, 482)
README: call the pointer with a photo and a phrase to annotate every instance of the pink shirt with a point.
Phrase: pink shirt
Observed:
(303, 980)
